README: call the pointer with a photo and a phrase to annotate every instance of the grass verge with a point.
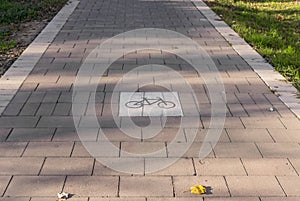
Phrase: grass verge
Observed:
(17, 20)
(16, 12)
(272, 27)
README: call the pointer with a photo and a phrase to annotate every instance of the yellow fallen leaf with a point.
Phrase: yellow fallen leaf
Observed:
(198, 189)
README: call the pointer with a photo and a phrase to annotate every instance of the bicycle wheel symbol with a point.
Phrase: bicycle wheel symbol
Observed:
(166, 104)
(134, 104)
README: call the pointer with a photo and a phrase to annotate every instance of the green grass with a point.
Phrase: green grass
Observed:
(272, 27)
(16, 12)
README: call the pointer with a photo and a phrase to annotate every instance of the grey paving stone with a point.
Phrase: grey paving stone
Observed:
(14, 199)
(51, 97)
(279, 198)
(202, 133)
(36, 97)
(68, 166)
(116, 199)
(28, 87)
(98, 97)
(237, 110)
(231, 98)
(233, 199)
(259, 98)
(138, 149)
(4, 180)
(92, 108)
(285, 135)
(21, 97)
(108, 99)
(186, 122)
(219, 167)
(62, 109)
(189, 110)
(272, 98)
(29, 109)
(185, 150)
(18, 122)
(255, 111)
(56, 122)
(174, 199)
(31, 134)
(80, 109)
(65, 97)
(205, 111)
(202, 98)
(146, 186)
(80, 151)
(283, 110)
(139, 121)
(230, 122)
(47, 87)
(49, 149)
(291, 123)
(254, 186)
(45, 109)
(119, 166)
(104, 122)
(4, 132)
(172, 169)
(230, 88)
(296, 163)
(165, 135)
(117, 135)
(97, 149)
(266, 122)
(290, 185)
(234, 150)
(215, 185)
(54, 198)
(20, 165)
(13, 109)
(258, 88)
(268, 166)
(249, 135)
(39, 78)
(72, 134)
(92, 185)
(264, 108)
(103, 149)
(279, 150)
(35, 186)
(12, 148)
(65, 135)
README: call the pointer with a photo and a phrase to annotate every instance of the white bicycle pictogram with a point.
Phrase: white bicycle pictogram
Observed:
(151, 101)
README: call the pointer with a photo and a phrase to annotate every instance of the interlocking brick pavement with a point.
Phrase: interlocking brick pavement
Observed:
(256, 157)
(264, 186)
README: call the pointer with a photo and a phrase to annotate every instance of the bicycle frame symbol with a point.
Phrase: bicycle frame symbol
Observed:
(151, 101)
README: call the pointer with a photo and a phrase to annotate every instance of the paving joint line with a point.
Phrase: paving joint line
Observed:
(286, 92)
(276, 177)
(14, 77)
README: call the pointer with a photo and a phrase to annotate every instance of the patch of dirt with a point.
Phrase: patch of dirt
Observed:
(24, 35)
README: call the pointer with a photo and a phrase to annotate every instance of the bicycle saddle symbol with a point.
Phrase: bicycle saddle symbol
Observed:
(151, 101)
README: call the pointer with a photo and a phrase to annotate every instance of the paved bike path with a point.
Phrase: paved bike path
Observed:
(257, 157)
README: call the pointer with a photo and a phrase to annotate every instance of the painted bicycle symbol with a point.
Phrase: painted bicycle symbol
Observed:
(150, 101)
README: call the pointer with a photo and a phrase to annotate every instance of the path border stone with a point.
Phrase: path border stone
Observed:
(286, 92)
(14, 77)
